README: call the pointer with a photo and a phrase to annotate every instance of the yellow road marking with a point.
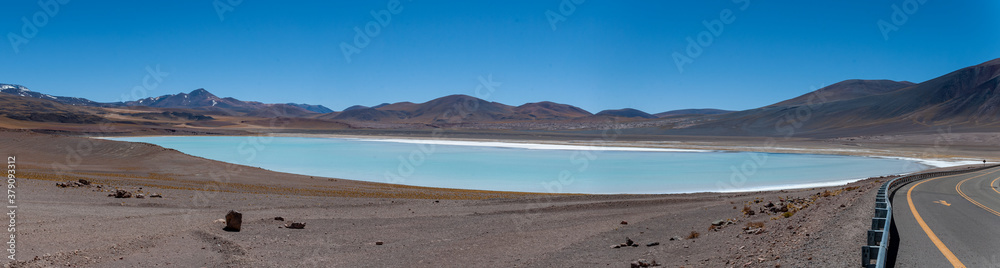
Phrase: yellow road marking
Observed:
(995, 182)
(942, 202)
(930, 234)
(958, 187)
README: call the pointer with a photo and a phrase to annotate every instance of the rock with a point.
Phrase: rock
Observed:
(635, 245)
(653, 244)
(718, 223)
(155, 195)
(219, 221)
(628, 241)
(296, 225)
(122, 194)
(234, 220)
(676, 238)
(616, 246)
(624, 223)
(84, 182)
(643, 263)
(769, 204)
(635, 264)
(140, 196)
(279, 219)
(378, 243)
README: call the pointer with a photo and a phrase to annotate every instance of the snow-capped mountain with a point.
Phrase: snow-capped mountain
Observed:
(201, 99)
(23, 91)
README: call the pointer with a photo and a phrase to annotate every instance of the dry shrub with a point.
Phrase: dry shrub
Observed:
(755, 225)
(693, 235)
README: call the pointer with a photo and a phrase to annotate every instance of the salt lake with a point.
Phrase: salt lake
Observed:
(534, 167)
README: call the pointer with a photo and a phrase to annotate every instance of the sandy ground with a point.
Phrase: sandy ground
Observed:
(419, 227)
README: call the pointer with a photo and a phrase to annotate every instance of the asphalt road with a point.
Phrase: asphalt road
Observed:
(949, 221)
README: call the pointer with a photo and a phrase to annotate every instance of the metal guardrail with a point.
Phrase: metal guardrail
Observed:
(878, 236)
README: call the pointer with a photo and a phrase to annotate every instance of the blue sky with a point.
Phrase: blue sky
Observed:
(604, 55)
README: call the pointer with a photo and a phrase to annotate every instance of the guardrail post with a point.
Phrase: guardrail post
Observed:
(875, 237)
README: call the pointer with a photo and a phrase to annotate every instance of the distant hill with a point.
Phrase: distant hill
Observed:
(690, 112)
(201, 99)
(33, 109)
(964, 100)
(547, 110)
(313, 108)
(627, 112)
(846, 90)
(20, 90)
(355, 107)
(459, 109)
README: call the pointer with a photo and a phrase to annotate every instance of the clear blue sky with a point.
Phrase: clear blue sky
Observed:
(604, 55)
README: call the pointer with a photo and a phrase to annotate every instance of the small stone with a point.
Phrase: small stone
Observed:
(378, 243)
(84, 182)
(234, 220)
(718, 223)
(279, 219)
(628, 241)
(296, 225)
(676, 238)
(616, 246)
(653, 244)
(624, 223)
(140, 196)
(122, 194)
(155, 195)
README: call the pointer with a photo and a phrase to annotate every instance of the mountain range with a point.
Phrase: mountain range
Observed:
(965, 100)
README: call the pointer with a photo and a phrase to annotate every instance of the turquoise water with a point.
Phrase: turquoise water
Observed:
(565, 170)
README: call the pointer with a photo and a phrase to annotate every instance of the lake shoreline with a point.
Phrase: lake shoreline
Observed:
(501, 165)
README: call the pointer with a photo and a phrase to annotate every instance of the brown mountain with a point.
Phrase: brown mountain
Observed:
(964, 100)
(845, 90)
(690, 112)
(547, 110)
(459, 109)
(448, 109)
(32, 109)
(201, 99)
(627, 113)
